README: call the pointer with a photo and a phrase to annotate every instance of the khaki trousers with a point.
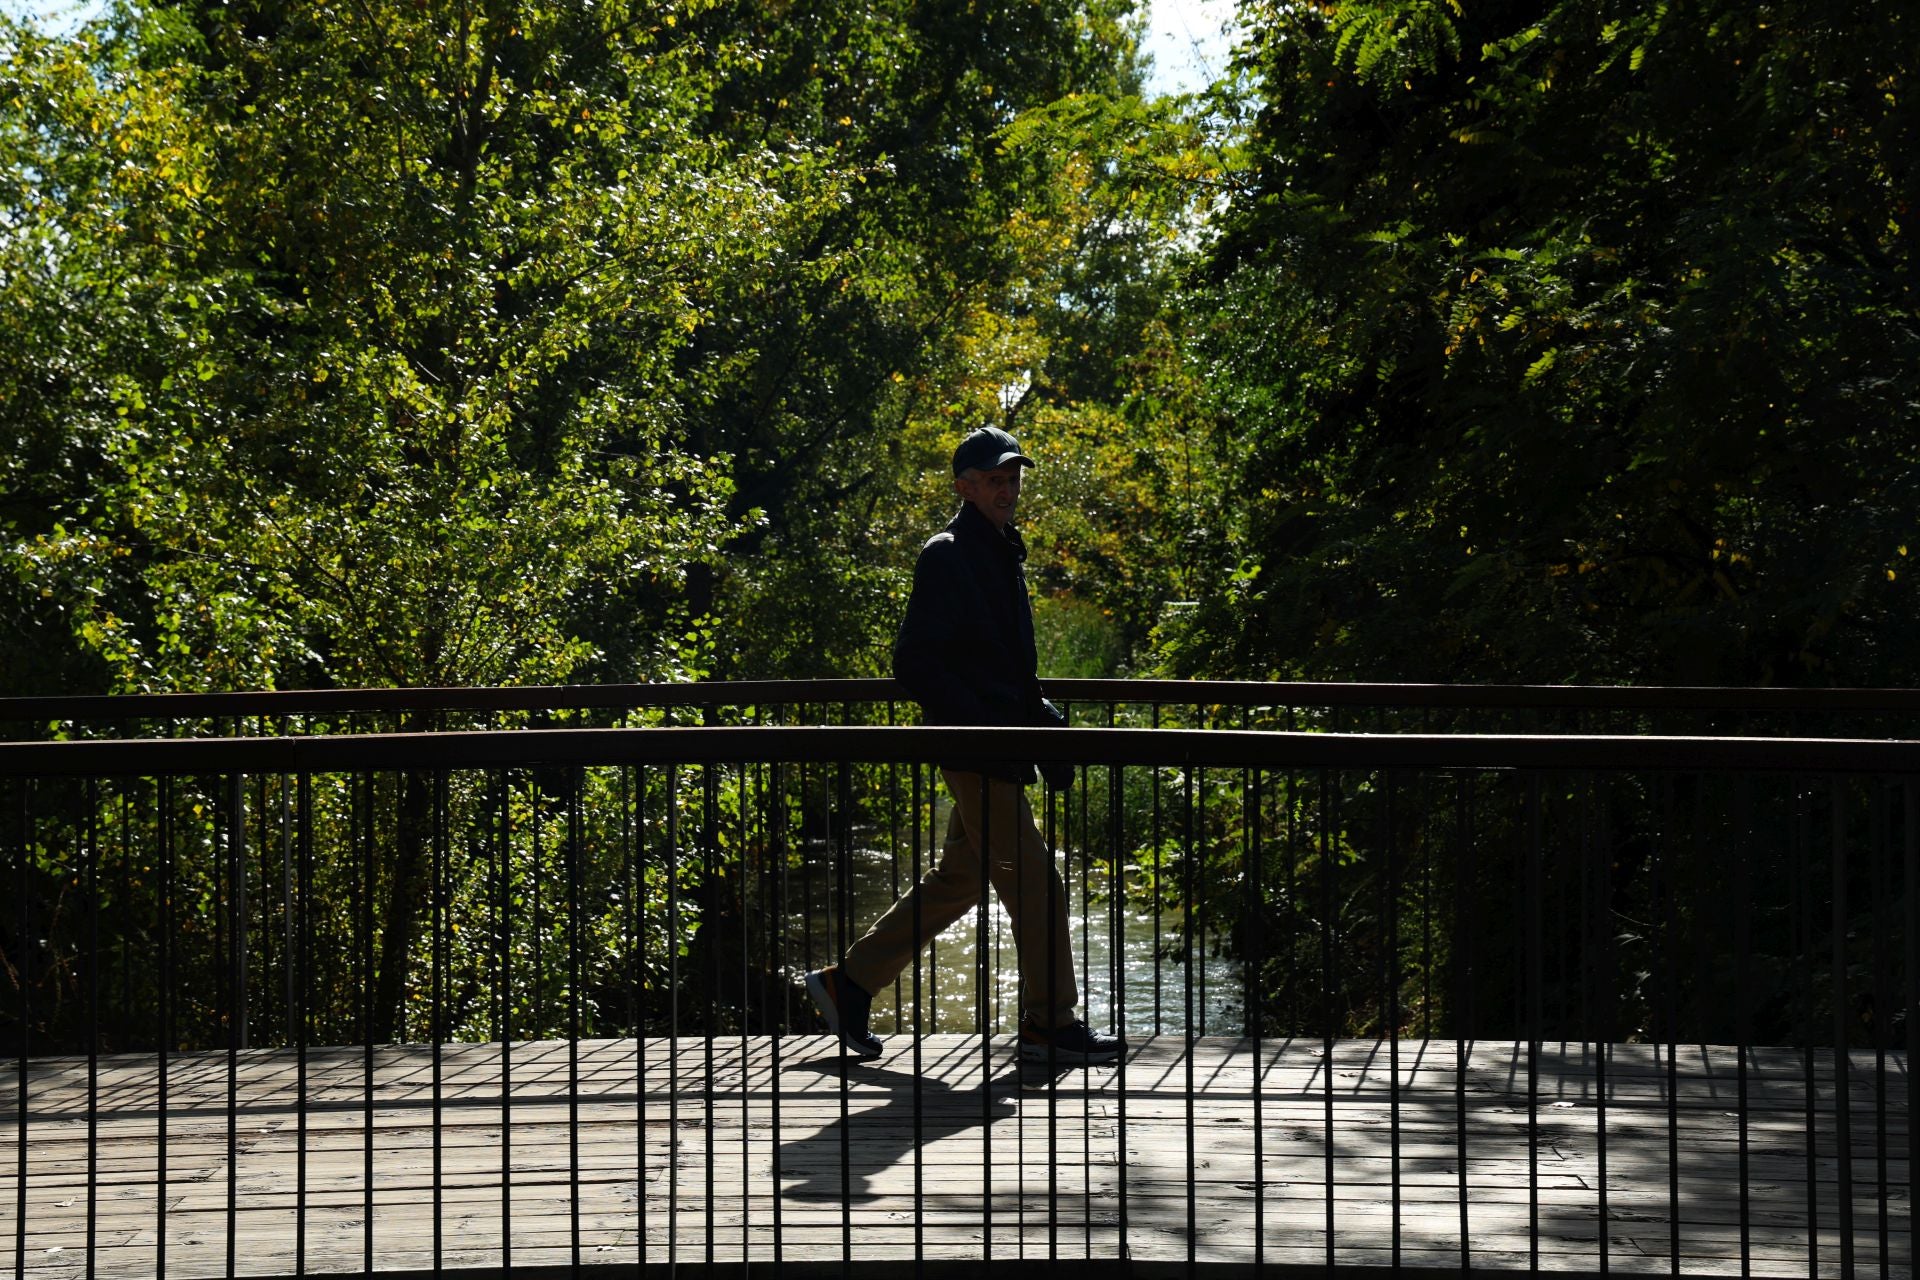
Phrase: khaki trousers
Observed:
(991, 813)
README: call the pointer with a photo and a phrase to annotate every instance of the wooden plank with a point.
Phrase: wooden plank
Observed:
(669, 1119)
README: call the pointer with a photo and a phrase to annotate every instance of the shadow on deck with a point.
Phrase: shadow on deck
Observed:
(1196, 1157)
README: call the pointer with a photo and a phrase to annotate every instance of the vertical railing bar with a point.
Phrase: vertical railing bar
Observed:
(577, 781)
(745, 777)
(237, 878)
(1329, 1001)
(1387, 791)
(437, 1030)
(1255, 1006)
(1197, 909)
(92, 848)
(1666, 862)
(806, 869)
(1290, 917)
(1535, 972)
(214, 812)
(536, 882)
(1803, 919)
(995, 1015)
(503, 1004)
(1881, 797)
(236, 910)
(121, 1033)
(286, 900)
(1743, 1032)
(1053, 830)
(265, 960)
(1842, 1081)
(1189, 854)
(163, 832)
(1579, 944)
(919, 1130)
(1045, 821)
(1116, 784)
(1462, 1012)
(304, 1022)
(1517, 934)
(840, 913)
(125, 926)
(1910, 897)
(634, 817)
(1158, 906)
(674, 933)
(368, 866)
(1569, 988)
(164, 835)
(1083, 786)
(932, 948)
(710, 1013)
(1064, 848)
(1420, 806)
(1084, 780)
(893, 854)
(24, 897)
(983, 975)
(1605, 1006)
(774, 794)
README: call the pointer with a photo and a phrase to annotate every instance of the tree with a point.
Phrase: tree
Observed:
(421, 273)
(839, 384)
(1569, 342)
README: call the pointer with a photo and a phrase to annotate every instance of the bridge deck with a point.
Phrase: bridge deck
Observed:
(671, 1153)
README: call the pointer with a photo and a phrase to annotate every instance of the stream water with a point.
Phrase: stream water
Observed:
(1151, 973)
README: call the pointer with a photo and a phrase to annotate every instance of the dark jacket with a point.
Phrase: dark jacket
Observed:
(965, 649)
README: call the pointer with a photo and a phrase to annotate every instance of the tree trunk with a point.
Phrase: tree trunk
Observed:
(406, 895)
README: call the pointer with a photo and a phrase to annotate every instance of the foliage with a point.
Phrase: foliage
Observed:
(1567, 342)
(971, 277)
(354, 415)
(470, 343)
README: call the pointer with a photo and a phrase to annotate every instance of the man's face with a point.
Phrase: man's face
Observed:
(996, 493)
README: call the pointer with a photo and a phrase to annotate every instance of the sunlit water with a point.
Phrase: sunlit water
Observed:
(1156, 994)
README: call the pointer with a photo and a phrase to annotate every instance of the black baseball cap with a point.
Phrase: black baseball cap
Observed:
(987, 448)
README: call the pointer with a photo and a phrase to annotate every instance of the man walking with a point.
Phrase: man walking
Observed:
(966, 653)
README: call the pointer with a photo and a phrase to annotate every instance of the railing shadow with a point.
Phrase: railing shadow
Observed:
(839, 1162)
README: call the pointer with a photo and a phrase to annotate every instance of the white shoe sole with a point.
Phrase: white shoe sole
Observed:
(823, 1001)
(1067, 1058)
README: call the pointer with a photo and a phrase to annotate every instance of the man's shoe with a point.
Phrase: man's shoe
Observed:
(1075, 1044)
(845, 1007)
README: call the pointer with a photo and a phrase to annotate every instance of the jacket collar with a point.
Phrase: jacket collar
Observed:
(970, 523)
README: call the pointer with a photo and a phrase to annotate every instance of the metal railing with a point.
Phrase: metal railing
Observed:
(262, 925)
(1244, 704)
